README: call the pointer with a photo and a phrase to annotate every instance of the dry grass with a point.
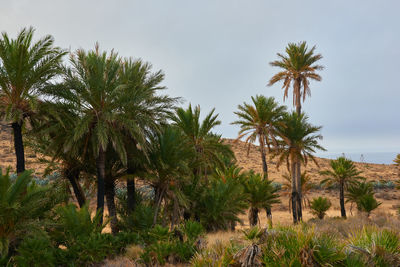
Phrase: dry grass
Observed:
(222, 237)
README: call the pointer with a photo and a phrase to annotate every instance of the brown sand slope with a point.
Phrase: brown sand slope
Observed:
(250, 161)
(253, 161)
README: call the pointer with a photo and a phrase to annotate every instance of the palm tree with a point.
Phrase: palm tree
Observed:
(298, 67)
(207, 146)
(259, 121)
(48, 137)
(319, 206)
(169, 158)
(344, 173)
(261, 194)
(25, 67)
(299, 143)
(112, 101)
(356, 191)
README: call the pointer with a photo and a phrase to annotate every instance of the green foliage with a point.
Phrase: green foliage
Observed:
(220, 204)
(140, 219)
(176, 246)
(343, 171)
(207, 147)
(378, 247)
(368, 203)
(217, 255)
(36, 251)
(74, 223)
(298, 66)
(319, 206)
(25, 67)
(253, 234)
(259, 120)
(24, 208)
(357, 190)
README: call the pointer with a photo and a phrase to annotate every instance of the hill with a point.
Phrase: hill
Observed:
(252, 160)
(246, 161)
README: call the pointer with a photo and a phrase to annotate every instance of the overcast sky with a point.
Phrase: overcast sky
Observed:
(217, 54)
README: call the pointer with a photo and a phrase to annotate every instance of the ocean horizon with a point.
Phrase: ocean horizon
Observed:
(367, 157)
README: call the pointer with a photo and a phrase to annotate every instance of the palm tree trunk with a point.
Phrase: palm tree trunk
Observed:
(110, 196)
(159, 194)
(130, 187)
(100, 164)
(299, 189)
(297, 89)
(72, 177)
(131, 198)
(294, 188)
(342, 207)
(265, 171)
(19, 146)
(263, 158)
(253, 216)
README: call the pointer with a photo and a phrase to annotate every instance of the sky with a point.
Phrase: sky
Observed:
(217, 54)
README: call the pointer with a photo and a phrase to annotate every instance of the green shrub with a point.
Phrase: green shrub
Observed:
(24, 208)
(368, 203)
(319, 206)
(220, 204)
(178, 245)
(35, 251)
(217, 255)
(380, 247)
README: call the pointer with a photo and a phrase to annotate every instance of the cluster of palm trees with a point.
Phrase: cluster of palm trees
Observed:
(102, 118)
(285, 135)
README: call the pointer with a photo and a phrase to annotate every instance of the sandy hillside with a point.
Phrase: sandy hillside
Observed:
(390, 198)
(253, 161)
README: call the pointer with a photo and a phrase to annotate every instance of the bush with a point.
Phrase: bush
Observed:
(219, 205)
(368, 203)
(378, 247)
(319, 206)
(218, 254)
(24, 209)
(174, 246)
(36, 251)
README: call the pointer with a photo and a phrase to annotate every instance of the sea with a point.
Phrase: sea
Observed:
(367, 157)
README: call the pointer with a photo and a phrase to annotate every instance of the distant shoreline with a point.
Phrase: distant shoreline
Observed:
(367, 157)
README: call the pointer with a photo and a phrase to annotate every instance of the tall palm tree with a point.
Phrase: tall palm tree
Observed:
(25, 67)
(343, 173)
(111, 101)
(259, 121)
(298, 67)
(207, 146)
(299, 143)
